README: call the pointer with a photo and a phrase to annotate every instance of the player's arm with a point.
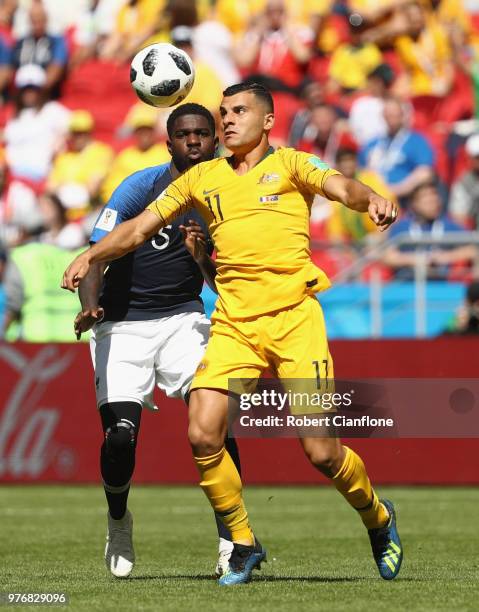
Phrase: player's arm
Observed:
(361, 198)
(312, 173)
(89, 293)
(129, 235)
(126, 237)
(196, 243)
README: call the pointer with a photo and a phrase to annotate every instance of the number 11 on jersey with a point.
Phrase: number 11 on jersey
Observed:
(218, 207)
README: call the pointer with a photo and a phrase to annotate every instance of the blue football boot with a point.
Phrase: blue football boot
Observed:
(243, 560)
(386, 545)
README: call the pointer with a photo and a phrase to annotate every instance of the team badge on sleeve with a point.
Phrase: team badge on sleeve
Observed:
(318, 163)
(268, 178)
(107, 220)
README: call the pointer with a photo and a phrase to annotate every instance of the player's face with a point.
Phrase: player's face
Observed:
(192, 141)
(347, 166)
(427, 203)
(245, 120)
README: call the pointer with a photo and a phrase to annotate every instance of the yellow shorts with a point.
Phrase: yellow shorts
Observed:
(291, 343)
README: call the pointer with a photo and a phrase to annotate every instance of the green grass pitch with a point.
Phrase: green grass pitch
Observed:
(52, 539)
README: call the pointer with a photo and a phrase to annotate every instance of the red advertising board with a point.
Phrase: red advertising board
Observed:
(50, 432)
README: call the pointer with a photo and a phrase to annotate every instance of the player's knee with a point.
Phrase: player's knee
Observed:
(324, 458)
(120, 439)
(203, 442)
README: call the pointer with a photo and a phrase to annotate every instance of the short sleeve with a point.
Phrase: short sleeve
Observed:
(107, 220)
(129, 199)
(13, 287)
(5, 54)
(307, 171)
(175, 200)
(364, 153)
(59, 50)
(420, 151)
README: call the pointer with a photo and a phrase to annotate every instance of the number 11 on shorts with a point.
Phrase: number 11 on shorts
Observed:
(318, 372)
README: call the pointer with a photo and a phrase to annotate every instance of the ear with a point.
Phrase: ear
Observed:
(268, 121)
(217, 143)
(169, 147)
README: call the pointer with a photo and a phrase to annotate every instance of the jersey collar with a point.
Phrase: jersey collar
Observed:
(269, 151)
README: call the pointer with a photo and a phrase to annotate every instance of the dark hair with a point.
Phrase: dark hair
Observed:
(257, 89)
(18, 98)
(384, 72)
(58, 204)
(190, 108)
(472, 293)
(346, 152)
(327, 106)
(431, 184)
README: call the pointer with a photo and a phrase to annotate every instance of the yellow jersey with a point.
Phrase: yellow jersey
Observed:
(259, 223)
(86, 166)
(426, 59)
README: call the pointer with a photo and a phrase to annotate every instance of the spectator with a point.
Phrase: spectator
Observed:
(207, 88)
(466, 321)
(38, 310)
(385, 20)
(425, 54)
(28, 226)
(459, 21)
(18, 204)
(86, 162)
(375, 11)
(352, 61)
(342, 224)
(146, 151)
(464, 201)
(425, 218)
(3, 202)
(3, 265)
(42, 49)
(213, 46)
(313, 94)
(5, 69)
(330, 28)
(136, 22)
(275, 48)
(403, 157)
(76, 200)
(94, 26)
(324, 134)
(38, 129)
(58, 231)
(8, 9)
(237, 16)
(366, 118)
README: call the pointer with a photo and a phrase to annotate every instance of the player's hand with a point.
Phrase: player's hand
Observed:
(383, 212)
(86, 319)
(195, 239)
(77, 270)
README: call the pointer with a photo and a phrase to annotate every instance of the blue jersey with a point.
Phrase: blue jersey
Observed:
(160, 278)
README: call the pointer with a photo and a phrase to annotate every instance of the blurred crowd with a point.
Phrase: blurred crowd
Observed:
(386, 91)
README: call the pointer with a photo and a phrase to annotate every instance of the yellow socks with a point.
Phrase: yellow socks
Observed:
(352, 481)
(222, 484)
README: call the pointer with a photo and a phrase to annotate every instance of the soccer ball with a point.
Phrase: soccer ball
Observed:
(162, 75)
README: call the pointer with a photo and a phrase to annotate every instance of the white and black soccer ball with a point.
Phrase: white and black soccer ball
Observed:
(162, 75)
